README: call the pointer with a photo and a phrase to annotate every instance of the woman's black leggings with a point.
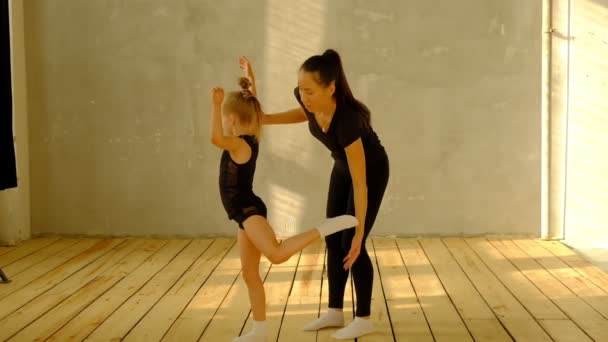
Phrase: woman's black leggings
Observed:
(340, 201)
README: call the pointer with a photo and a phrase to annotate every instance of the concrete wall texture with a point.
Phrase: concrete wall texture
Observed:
(119, 105)
(587, 161)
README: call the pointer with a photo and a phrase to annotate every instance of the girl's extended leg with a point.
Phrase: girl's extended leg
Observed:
(263, 238)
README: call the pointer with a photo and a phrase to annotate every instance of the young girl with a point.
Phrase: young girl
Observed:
(235, 128)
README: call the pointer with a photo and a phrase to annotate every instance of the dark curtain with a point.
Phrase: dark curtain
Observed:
(8, 167)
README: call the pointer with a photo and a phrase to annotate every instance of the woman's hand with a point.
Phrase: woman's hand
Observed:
(217, 94)
(355, 249)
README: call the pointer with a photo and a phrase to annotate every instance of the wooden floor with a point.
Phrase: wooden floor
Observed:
(188, 290)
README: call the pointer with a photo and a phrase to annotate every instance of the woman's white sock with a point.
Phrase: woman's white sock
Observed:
(332, 318)
(357, 328)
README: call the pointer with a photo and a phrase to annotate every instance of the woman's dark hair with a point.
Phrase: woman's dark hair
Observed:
(328, 66)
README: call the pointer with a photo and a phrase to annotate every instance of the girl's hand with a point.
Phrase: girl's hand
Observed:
(217, 94)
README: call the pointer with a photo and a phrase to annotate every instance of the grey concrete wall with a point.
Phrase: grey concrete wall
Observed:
(120, 96)
(587, 142)
(15, 203)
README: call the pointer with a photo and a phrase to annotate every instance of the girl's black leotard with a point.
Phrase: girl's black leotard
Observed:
(236, 185)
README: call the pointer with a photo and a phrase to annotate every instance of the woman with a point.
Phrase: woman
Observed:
(357, 185)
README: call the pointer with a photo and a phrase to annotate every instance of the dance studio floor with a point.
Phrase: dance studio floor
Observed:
(449, 289)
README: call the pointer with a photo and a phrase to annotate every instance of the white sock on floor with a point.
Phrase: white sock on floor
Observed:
(336, 224)
(357, 328)
(257, 333)
(332, 318)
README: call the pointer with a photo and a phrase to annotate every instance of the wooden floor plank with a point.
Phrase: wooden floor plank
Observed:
(303, 302)
(32, 290)
(49, 265)
(60, 314)
(509, 311)
(379, 314)
(576, 282)
(408, 320)
(479, 319)
(128, 315)
(564, 331)
(521, 287)
(229, 319)
(190, 325)
(443, 318)
(159, 319)
(51, 298)
(577, 262)
(464, 295)
(183, 290)
(98, 311)
(24, 249)
(302, 305)
(487, 330)
(588, 319)
(38, 256)
(6, 249)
